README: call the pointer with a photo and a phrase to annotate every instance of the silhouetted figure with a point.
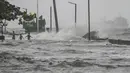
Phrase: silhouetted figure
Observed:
(48, 29)
(21, 37)
(28, 36)
(13, 35)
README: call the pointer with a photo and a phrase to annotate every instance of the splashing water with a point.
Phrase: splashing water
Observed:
(64, 34)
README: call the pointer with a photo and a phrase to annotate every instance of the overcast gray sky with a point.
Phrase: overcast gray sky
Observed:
(99, 9)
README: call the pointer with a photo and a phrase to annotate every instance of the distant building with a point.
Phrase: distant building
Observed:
(42, 24)
(31, 26)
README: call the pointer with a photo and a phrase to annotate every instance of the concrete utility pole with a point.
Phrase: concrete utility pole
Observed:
(37, 16)
(50, 19)
(75, 12)
(89, 36)
(56, 18)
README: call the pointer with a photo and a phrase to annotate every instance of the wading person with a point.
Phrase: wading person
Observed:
(13, 35)
(21, 37)
(29, 36)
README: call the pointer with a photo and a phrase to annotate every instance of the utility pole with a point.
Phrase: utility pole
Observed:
(37, 19)
(75, 15)
(50, 19)
(89, 36)
(56, 18)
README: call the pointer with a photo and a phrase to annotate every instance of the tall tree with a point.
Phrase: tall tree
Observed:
(9, 11)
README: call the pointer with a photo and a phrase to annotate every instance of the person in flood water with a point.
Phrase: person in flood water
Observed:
(13, 35)
(29, 36)
(21, 37)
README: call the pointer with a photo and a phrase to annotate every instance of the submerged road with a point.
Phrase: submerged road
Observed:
(63, 57)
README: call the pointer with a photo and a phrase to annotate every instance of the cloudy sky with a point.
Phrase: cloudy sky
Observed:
(100, 10)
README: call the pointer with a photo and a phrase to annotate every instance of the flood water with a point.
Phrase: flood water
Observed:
(47, 56)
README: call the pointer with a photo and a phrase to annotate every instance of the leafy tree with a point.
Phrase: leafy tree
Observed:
(9, 11)
(29, 17)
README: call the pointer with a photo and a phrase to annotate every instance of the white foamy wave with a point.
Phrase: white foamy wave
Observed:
(44, 36)
(64, 34)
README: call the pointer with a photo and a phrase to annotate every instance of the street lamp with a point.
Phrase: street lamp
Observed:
(37, 16)
(75, 12)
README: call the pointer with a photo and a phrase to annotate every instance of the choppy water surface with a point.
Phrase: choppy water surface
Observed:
(63, 52)
(46, 56)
